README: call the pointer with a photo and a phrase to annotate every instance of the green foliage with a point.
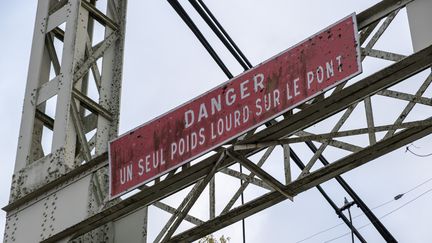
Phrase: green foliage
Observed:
(212, 239)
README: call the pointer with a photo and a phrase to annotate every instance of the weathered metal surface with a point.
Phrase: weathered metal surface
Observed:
(409, 107)
(245, 183)
(307, 182)
(306, 136)
(267, 178)
(233, 108)
(407, 97)
(394, 57)
(419, 19)
(50, 214)
(99, 16)
(194, 196)
(245, 178)
(58, 183)
(316, 112)
(370, 120)
(38, 70)
(378, 11)
(40, 173)
(323, 146)
(171, 210)
(176, 213)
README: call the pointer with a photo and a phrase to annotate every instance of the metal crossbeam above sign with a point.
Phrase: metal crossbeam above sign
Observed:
(265, 92)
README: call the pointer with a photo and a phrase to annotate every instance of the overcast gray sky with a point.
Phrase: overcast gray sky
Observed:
(165, 66)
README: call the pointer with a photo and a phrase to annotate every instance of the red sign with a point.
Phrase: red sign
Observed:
(235, 107)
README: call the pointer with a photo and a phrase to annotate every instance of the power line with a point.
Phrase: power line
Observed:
(418, 155)
(397, 197)
(408, 202)
(385, 215)
(320, 232)
(337, 225)
(419, 185)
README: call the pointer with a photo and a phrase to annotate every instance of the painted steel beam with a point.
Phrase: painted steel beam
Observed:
(330, 135)
(195, 195)
(91, 105)
(98, 52)
(395, 57)
(406, 97)
(323, 146)
(245, 178)
(80, 131)
(267, 178)
(58, 33)
(99, 16)
(80, 172)
(379, 11)
(246, 182)
(171, 210)
(177, 212)
(408, 108)
(45, 119)
(39, 58)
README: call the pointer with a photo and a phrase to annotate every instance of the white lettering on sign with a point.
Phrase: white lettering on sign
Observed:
(318, 74)
(230, 98)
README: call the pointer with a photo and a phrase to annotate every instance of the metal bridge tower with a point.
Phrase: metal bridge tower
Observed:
(63, 64)
(61, 195)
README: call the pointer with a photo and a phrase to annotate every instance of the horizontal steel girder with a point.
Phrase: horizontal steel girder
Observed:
(313, 179)
(314, 113)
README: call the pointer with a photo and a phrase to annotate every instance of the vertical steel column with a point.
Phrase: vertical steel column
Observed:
(110, 87)
(111, 78)
(38, 74)
(35, 168)
(64, 133)
(419, 18)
